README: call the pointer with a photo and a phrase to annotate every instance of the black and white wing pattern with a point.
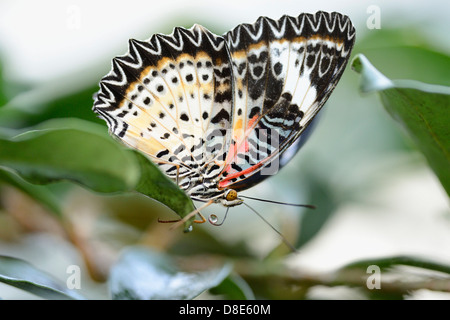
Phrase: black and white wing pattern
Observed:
(214, 112)
(167, 96)
(284, 71)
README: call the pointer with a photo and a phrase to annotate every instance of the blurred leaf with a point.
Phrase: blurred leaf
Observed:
(70, 149)
(38, 193)
(143, 274)
(203, 241)
(422, 109)
(22, 275)
(156, 185)
(57, 99)
(405, 53)
(389, 262)
(234, 287)
(395, 285)
(76, 105)
(83, 152)
(312, 221)
(3, 98)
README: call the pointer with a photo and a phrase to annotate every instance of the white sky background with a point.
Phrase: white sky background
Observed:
(45, 40)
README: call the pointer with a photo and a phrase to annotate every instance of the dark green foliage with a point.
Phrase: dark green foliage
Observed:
(52, 145)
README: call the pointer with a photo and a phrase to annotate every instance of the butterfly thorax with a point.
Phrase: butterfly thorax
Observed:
(202, 188)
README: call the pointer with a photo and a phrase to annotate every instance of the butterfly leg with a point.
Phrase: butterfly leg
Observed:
(203, 220)
(179, 222)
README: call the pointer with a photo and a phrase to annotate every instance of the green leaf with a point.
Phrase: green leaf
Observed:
(22, 275)
(389, 262)
(234, 287)
(156, 185)
(406, 53)
(38, 193)
(3, 98)
(421, 109)
(70, 149)
(143, 274)
(312, 221)
(395, 284)
(83, 152)
(57, 99)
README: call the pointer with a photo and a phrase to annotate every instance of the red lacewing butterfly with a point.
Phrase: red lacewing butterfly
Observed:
(219, 114)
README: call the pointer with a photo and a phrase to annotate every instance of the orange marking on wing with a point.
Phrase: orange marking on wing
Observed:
(238, 55)
(282, 40)
(130, 88)
(252, 121)
(241, 146)
(238, 125)
(223, 183)
(145, 72)
(184, 56)
(162, 63)
(257, 46)
(299, 39)
(202, 55)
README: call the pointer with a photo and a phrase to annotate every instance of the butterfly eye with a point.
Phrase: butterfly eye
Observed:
(231, 195)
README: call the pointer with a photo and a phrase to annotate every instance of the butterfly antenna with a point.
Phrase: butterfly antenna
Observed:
(274, 229)
(310, 206)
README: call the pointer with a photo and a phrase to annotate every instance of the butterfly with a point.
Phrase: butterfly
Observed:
(219, 114)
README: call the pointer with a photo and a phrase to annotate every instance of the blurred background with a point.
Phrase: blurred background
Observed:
(375, 193)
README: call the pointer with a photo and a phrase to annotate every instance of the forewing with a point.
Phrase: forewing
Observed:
(162, 96)
(284, 72)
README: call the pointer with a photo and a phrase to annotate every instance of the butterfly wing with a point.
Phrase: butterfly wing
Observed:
(213, 109)
(284, 71)
(164, 96)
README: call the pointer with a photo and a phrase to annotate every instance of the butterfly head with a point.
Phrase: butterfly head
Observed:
(230, 198)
